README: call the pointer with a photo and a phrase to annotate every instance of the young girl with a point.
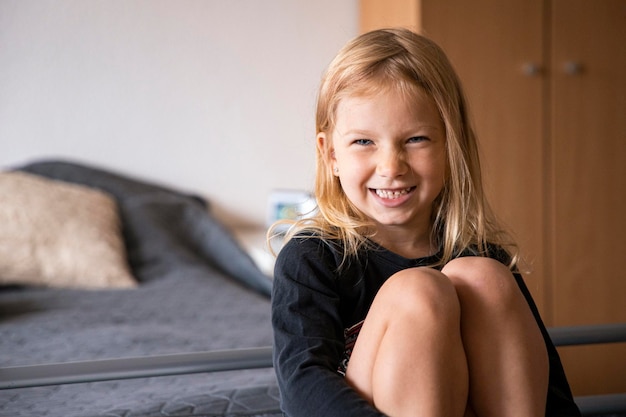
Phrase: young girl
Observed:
(401, 296)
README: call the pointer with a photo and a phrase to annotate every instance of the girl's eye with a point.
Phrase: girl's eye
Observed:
(417, 139)
(363, 142)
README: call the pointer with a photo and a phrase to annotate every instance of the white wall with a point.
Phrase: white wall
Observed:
(214, 97)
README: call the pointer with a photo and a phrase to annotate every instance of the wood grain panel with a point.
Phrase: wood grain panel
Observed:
(589, 160)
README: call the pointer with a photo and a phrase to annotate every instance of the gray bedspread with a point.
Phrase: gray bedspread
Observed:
(198, 291)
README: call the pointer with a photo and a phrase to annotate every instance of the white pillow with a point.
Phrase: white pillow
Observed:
(58, 234)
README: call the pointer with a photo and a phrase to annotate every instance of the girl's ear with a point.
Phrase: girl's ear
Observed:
(326, 149)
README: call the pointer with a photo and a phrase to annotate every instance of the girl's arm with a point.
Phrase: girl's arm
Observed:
(308, 335)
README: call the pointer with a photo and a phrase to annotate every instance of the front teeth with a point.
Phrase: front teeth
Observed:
(392, 194)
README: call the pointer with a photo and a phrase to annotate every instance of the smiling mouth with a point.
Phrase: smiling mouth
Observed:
(392, 194)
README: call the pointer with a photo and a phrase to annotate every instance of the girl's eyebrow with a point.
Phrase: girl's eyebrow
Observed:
(368, 132)
(360, 132)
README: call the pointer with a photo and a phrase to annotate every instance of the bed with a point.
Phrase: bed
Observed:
(186, 332)
(194, 290)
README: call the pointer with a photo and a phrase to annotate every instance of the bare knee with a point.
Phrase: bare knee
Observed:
(492, 280)
(501, 339)
(410, 347)
(423, 291)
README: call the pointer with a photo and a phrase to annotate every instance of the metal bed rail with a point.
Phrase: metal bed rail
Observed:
(239, 359)
(137, 367)
(587, 335)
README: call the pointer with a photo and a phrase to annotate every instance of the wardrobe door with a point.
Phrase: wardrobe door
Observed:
(376, 14)
(588, 130)
(497, 49)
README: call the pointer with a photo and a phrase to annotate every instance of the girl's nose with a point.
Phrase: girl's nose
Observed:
(391, 164)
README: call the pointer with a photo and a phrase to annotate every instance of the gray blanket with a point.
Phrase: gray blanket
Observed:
(198, 291)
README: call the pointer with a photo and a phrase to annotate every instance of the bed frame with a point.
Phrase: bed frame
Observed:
(239, 359)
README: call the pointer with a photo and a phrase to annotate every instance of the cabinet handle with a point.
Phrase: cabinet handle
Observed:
(531, 69)
(573, 68)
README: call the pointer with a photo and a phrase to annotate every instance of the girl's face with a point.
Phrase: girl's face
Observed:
(389, 154)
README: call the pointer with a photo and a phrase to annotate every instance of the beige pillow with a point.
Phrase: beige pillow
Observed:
(58, 234)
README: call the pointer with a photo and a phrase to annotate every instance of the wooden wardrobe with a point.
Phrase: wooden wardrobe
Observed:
(546, 82)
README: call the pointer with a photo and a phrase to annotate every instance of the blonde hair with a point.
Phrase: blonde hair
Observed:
(412, 64)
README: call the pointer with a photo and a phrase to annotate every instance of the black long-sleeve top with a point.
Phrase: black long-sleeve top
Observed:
(313, 302)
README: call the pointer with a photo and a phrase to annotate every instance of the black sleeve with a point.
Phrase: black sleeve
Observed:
(308, 334)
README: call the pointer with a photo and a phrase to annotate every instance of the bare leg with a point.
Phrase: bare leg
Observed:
(409, 358)
(505, 351)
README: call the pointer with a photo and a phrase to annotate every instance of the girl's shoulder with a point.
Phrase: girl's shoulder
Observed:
(310, 247)
(311, 262)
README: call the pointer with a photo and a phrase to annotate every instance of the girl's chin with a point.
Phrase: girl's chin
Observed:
(395, 222)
